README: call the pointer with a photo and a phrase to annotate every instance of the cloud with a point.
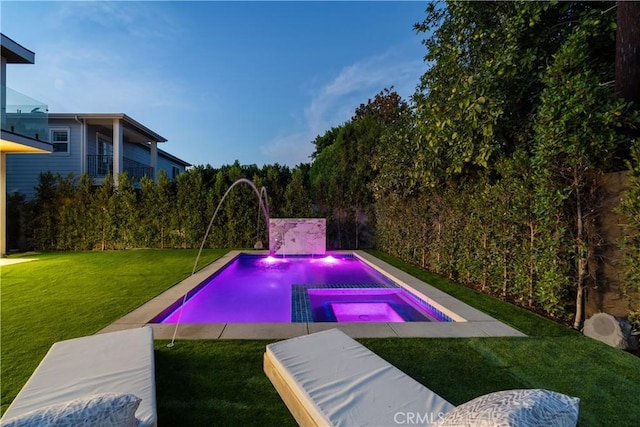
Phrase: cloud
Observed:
(71, 76)
(139, 19)
(291, 149)
(335, 101)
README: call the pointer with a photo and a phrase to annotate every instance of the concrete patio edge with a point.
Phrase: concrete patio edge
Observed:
(470, 322)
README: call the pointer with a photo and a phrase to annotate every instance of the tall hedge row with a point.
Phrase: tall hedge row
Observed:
(72, 213)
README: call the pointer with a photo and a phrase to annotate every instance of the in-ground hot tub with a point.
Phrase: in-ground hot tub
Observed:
(370, 305)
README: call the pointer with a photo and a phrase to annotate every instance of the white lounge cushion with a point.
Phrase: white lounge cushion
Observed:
(342, 383)
(116, 362)
(101, 410)
(529, 407)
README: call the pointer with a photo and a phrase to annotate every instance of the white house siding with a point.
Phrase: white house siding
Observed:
(168, 166)
(142, 154)
(23, 170)
(138, 152)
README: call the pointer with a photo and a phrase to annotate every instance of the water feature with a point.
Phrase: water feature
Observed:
(263, 201)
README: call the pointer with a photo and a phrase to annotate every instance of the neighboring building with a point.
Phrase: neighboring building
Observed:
(24, 125)
(96, 144)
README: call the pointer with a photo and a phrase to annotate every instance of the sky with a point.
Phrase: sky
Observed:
(255, 81)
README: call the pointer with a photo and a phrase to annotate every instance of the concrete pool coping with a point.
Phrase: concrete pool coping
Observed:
(470, 322)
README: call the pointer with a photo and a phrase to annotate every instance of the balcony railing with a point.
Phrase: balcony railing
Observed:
(23, 115)
(98, 166)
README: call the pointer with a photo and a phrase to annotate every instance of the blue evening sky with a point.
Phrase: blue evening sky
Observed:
(222, 81)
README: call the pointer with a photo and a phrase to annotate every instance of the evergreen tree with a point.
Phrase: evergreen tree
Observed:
(149, 225)
(45, 221)
(297, 203)
(105, 205)
(85, 215)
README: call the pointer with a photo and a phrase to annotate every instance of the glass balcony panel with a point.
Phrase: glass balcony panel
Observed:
(98, 166)
(24, 116)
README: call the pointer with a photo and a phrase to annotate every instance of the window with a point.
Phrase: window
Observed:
(60, 140)
(175, 172)
(104, 158)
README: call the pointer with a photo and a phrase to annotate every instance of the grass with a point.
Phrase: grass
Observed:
(67, 295)
(205, 383)
(221, 382)
(525, 321)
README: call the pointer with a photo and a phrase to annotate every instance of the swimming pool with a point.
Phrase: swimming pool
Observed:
(331, 288)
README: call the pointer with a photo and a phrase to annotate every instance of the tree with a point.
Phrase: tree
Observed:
(627, 75)
(627, 71)
(394, 161)
(105, 205)
(149, 225)
(345, 167)
(328, 192)
(45, 222)
(386, 108)
(474, 105)
(325, 140)
(359, 142)
(17, 211)
(275, 178)
(576, 134)
(192, 215)
(85, 213)
(164, 207)
(127, 213)
(297, 203)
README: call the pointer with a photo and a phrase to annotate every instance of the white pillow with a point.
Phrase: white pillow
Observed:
(99, 410)
(532, 408)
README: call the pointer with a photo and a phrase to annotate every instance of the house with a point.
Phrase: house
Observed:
(95, 144)
(24, 125)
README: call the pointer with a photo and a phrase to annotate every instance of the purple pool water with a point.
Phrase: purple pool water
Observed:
(365, 312)
(367, 305)
(260, 289)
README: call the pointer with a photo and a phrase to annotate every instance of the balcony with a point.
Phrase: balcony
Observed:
(24, 116)
(98, 166)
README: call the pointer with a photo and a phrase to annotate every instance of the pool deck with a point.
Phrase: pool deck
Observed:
(470, 322)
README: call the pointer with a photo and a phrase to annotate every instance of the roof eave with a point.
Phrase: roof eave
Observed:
(137, 126)
(15, 53)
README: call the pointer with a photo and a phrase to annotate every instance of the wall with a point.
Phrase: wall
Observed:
(611, 228)
(298, 236)
(23, 170)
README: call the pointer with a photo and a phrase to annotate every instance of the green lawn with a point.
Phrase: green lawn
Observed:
(65, 295)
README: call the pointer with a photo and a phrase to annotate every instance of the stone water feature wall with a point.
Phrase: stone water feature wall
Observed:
(298, 236)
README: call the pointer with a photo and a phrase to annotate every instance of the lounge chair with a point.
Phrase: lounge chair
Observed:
(329, 379)
(114, 364)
